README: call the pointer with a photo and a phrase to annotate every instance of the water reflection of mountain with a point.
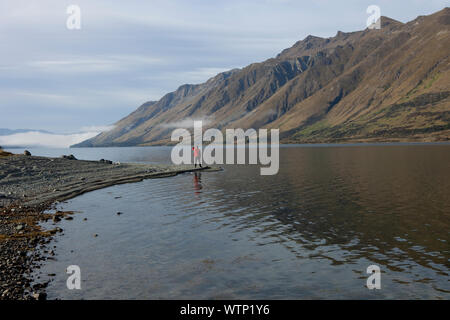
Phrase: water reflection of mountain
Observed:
(385, 204)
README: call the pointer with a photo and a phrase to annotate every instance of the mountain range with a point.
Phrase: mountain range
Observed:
(387, 84)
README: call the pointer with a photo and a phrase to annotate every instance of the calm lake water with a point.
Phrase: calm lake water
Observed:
(309, 232)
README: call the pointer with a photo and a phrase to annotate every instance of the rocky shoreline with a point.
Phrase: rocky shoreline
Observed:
(29, 188)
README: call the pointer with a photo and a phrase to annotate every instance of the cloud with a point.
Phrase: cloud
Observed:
(39, 139)
(93, 64)
(77, 101)
(42, 139)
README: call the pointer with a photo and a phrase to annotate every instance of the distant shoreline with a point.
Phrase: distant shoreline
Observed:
(284, 143)
(318, 144)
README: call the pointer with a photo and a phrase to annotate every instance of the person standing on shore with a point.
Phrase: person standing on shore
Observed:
(197, 157)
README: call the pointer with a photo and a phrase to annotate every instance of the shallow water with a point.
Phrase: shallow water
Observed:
(309, 232)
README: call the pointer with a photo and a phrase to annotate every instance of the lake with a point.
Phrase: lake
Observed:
(309, 232)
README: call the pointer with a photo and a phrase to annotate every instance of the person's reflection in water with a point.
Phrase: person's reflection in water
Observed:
(197, 182)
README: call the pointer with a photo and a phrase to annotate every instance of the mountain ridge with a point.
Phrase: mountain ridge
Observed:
(390, 84)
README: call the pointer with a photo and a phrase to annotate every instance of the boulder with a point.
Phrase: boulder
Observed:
(69, 157)
(39, 296)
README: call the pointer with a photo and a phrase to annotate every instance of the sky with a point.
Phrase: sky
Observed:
(72, 81)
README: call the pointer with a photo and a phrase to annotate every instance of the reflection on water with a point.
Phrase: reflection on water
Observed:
(197, 182)
(309, 232)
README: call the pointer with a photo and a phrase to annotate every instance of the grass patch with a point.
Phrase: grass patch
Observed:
(314, 128)
(432, 80)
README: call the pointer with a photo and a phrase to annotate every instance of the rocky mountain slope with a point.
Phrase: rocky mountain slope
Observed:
(391, 84)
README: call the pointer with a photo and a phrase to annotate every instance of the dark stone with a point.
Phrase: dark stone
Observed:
(69, 157)
(40, 296)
